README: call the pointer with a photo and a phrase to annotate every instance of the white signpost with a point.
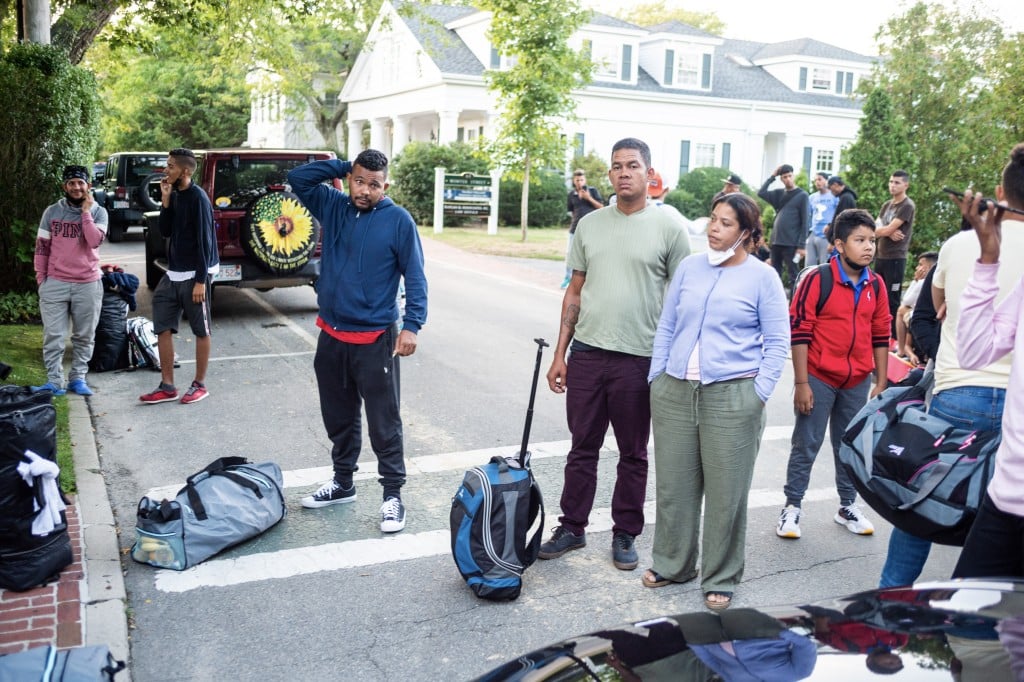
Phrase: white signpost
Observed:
(466, 194)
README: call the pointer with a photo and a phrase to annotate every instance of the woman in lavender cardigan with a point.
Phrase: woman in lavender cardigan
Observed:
(719, 351)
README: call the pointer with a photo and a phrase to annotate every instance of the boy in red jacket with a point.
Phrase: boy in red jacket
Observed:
(839, 322)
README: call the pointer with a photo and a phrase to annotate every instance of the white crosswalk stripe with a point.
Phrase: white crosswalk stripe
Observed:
(295, 561)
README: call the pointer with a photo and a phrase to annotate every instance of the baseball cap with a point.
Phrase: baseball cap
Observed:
(733, 179)
(657, 186)
(836, 180)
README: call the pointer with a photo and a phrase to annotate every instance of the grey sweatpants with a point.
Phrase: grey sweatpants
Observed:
(80, 303)
(833, 408)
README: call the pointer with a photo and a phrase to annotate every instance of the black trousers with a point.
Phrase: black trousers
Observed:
(349, 376)
(782, 257)
(891, 272)
(994, 547)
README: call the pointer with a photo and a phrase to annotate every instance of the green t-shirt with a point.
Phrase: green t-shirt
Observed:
(629, 260)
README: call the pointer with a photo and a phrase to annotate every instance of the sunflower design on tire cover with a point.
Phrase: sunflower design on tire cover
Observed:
(282, 233)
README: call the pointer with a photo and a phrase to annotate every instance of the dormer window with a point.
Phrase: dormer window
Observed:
(613, 61)
(687, 69)
(821, 79)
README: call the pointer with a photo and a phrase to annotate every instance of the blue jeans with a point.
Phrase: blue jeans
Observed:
(974, 408)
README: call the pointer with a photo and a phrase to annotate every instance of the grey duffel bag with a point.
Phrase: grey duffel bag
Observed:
(48, 664)
(228, 502)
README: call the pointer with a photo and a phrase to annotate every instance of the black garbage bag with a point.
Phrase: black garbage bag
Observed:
(111, 349)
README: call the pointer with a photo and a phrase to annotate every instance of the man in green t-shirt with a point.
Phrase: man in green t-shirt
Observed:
(622, 258)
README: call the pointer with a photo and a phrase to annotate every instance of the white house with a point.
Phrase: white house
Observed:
(695, 98)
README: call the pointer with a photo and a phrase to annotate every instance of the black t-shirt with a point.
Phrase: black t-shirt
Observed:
(580, 207)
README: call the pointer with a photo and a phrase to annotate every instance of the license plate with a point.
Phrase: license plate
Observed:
(120, 204)
(228, 273)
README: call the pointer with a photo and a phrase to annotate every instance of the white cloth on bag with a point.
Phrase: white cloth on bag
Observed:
(49, 516)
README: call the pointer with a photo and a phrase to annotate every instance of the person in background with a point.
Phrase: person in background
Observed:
(904, 342)
(846, 197)
(67, 265)
(719, 352)
(792, 217)
(730, 184)
(186, 219)
(622, 258)
(837, 344)
(823, 209)
(895, 225)
(582, 200)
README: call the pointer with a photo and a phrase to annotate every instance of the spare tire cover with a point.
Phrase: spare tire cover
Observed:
(279, 232)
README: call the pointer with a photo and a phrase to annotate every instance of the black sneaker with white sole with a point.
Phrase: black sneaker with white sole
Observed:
(392, 515)
(328, 494)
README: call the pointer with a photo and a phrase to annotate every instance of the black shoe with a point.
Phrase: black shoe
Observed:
(329, 493)
(562, 540)
(392, 515)
(624, 552)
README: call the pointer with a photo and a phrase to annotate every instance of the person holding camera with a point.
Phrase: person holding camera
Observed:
(582, 200)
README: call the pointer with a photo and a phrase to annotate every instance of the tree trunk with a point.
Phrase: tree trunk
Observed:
(524, 213)
(78, 36)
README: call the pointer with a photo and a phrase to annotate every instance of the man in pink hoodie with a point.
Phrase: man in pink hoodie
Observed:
(67, 264)
(987, 332)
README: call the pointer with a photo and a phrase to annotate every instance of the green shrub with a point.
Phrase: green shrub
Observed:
(50, 119)
(19, 307)
(412, 175)
(547, 200)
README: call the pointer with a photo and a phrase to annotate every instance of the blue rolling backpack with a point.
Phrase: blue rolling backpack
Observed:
(492, 512)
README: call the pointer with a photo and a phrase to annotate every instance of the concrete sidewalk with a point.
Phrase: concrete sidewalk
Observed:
(87, 605)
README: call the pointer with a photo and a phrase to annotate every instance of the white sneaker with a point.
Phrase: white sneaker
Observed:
(392, 515)
(853, 518)
(789, 523)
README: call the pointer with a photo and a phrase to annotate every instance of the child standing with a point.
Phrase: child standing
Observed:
(839, 323)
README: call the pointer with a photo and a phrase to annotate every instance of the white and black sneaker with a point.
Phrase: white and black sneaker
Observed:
(853, 518)
(329, 493)
(392, 515)
(789, 523)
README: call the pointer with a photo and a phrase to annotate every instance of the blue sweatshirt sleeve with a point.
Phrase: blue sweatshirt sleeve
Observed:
(307, 183)
(410, 262)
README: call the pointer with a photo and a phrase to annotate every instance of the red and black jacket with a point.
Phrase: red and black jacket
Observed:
(841, 338)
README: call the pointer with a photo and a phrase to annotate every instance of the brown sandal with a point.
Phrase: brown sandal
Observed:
(718, 605)
(652, 578)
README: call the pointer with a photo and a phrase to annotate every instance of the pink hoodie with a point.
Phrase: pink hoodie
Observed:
(68, 242)
(985, 334)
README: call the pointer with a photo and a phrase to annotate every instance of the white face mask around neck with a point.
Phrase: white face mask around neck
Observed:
(716, 257)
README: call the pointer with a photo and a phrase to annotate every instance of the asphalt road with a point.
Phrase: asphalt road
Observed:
(324, 595)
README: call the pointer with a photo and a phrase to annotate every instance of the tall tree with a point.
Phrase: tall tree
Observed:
(535, 92)
(162, 99)
(653, 13)
(881, 147)
(937, 65)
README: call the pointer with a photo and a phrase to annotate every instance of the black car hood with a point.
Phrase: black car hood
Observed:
(955, 630)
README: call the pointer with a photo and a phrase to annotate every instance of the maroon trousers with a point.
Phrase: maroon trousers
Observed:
(604, 387)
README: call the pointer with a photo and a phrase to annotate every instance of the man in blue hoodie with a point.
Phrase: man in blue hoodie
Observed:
(368, 244)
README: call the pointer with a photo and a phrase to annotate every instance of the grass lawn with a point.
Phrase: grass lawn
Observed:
(546, 243)
(22, 349)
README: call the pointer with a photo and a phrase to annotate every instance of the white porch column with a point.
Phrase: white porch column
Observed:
(379, 134)
(448, 127)
(399, 135)
(355, 138)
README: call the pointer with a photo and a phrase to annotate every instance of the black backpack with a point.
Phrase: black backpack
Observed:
(824, 271)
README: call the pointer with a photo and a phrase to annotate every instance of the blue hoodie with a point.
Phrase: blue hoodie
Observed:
(363, 254)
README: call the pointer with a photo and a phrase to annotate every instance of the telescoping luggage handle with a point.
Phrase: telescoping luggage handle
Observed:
(524, 455)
